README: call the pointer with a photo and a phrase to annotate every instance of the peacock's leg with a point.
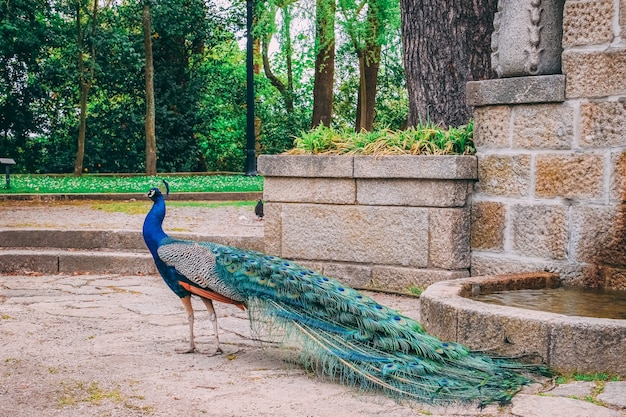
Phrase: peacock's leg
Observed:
(189, 308)
(213, 317)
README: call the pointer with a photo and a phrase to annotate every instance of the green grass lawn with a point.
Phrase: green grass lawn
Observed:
(86, 184)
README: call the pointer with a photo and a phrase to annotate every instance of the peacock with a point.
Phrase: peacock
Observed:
(345, 334)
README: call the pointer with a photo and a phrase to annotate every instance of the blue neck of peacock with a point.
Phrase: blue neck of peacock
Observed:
(153, 232)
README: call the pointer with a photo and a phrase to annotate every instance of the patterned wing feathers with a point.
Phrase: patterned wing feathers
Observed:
(197, 264)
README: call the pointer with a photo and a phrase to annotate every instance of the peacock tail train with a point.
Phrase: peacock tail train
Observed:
(346, 335)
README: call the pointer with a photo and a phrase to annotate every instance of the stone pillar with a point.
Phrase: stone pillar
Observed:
(551, 187)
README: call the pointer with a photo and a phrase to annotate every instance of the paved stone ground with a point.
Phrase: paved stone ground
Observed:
(104, 345)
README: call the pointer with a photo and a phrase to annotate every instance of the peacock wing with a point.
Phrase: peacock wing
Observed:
(197, 263)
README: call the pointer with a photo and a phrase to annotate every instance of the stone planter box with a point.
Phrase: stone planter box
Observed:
(373, 222)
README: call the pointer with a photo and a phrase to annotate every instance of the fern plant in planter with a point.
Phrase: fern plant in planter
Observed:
(424, 139)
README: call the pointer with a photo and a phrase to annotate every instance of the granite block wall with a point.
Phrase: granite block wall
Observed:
(372, 222)
(551, 187)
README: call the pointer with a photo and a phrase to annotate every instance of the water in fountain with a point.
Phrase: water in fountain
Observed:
(564, 300)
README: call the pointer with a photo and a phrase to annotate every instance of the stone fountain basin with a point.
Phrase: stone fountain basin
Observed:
(565, 343)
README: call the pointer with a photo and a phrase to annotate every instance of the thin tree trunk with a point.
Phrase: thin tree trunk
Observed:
(85, 82)
(286, 91)
(151, 156)
(369, 62)
(82, 129)
(324, 63)
(446, 44)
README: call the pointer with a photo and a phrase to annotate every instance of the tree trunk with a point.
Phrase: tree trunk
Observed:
(80, 148)
(85, 81)
(324, 63)
(446, 44)
(286, 91)
(369, 62)
(82, 129)
(149, 75)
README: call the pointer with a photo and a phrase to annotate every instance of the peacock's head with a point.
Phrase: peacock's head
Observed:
(155, 193)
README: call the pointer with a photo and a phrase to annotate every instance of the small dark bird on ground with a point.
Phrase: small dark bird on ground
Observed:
(344, 334)
(258, 209)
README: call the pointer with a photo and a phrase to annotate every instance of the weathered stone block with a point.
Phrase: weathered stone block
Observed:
(540, 230)
(416, 166)
(615, 278)
(407, 192)
(577, 341)
(491, 127)
(618, 177)
(438, 315)
(331, 166)
(272, 228)
(356, 276)
(310, 190)
(20, 261)
(449, 233)
(506, 175)
(511, 332)
(106, 262)
(599, 234)
(570, 273)
(516, 90)
(603, 124)
(397, 278)
(594, 74)
(368, 234)
(587, 23)
(543, 126)
(487, 225)
(84, 239)
(569, 176)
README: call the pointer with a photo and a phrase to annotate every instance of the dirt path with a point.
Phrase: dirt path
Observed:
(79, 215)
(105, 346)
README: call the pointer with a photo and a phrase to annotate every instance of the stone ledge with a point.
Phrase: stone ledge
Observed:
(115, 240)
(516, 90)
(443, 167)
(317, 166)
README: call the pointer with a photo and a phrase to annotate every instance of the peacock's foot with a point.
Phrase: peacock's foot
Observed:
(218, 351)
(190, 350)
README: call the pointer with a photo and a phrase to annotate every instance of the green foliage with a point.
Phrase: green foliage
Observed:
(41, 184)
(416, 291)
(424, 139)
(593, 377)
(200, 84)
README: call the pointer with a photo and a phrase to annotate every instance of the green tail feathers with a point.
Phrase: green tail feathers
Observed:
(352, 338)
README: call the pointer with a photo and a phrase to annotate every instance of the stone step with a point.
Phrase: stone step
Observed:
(54, 261)
(121, 240)
(90, 251)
